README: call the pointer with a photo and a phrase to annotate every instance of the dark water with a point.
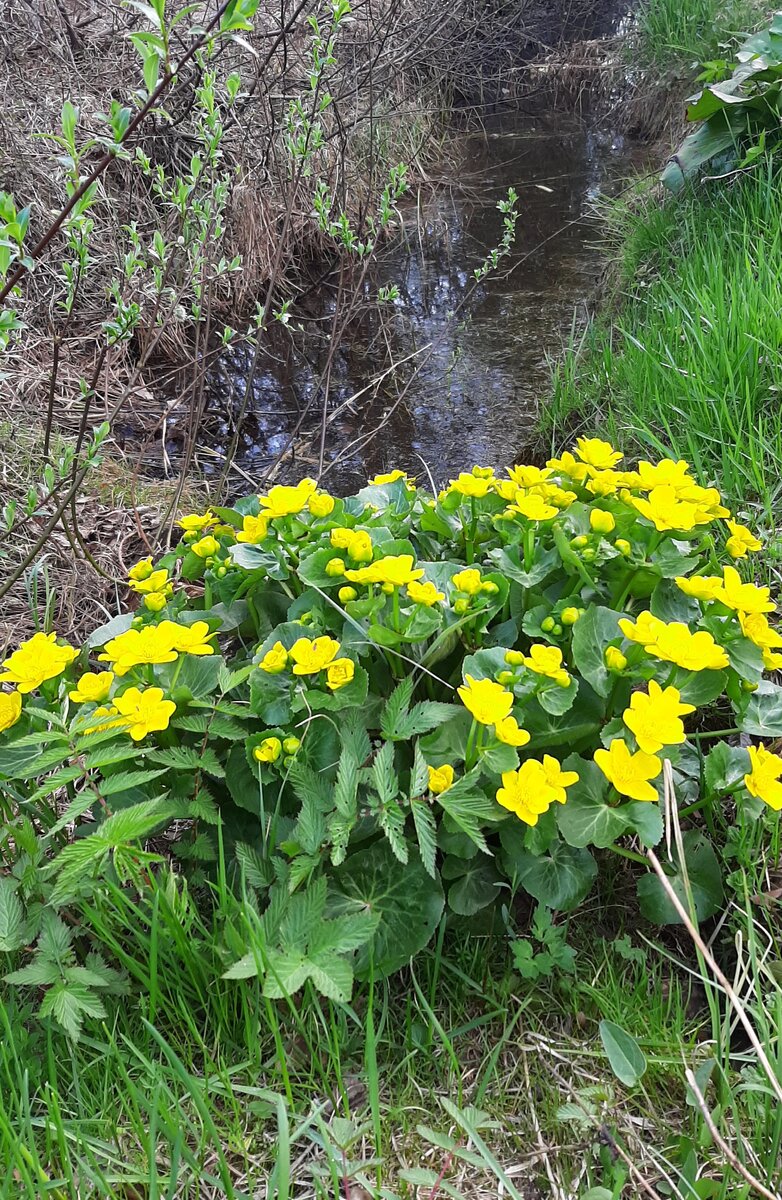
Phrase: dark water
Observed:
(477, 358)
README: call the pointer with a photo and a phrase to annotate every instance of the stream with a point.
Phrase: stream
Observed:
(475, 360)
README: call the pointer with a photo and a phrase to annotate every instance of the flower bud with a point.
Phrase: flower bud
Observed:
(562, 679)
(387, 588)
(155, 601)
(489, 588)
(624, 547)
(268, 751)
(547, 624)
(321, 505)
(569, 616)
(557, 630)
(748, 686)
(514, 658)
(335, 567)
(579, 542)
(602, 521)
(588, 554)
(461, 606)
(306, 618)
(614, 659)
(506, 677)
(291, 745)
(347, 593)
(221, 572)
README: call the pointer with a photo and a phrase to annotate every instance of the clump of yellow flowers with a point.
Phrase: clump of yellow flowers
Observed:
(502, 669)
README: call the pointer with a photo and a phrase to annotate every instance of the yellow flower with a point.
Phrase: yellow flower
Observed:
(614, 659)
(136, 647)
(115, 721)
(544, 660)
(195, 522)
(506, 489)
(144, 711)
(526, 477)
(396, 570)
(254, 529)
(665, 473)
(597, 454)
(510, 732)
(424, 593)
(655, 718)
(468, 581)
(206, 547)
(187, 639)
(274, 660)
(755, 626)
(155, 582)
(269, 750)
(707, 500)
(607, 483)
(665, 508)
(389, 477)
(533, 507)
(693, 651)
(471, 485)
(702, 587)
(35, 661)
(486, 700)
(10, 709)
(557, 779)
(629, 773)
(142, 570)
(321, 504)
(309, 656)
(763, 779)
(570, 466)
(286, 501)
(745, 597)
(339, 672)
(554, 494)
(92, 688)
(360, 547)
(526, 792)
(601, 521)
(644, 630)
(741, 540)
(440, 779)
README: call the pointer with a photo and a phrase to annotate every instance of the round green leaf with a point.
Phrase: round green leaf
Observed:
(703, 870)
(559, 879)
(406, 900)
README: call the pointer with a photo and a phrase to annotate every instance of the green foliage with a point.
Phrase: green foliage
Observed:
(387, 727)
(739, 117)
(546, 951)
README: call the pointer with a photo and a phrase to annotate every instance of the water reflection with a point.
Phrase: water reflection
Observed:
(475, 359)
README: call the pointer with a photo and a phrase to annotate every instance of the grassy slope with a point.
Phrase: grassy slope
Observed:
(197, 1087)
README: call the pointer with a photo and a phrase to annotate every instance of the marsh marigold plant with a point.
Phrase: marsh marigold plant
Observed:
(396, 702)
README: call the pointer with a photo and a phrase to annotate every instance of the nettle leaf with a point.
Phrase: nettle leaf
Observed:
(406, 901)
(256, 870)
(215, 724)
(12, 923)
(69, 1003)
(188, 758)
(560, 879)
(587, 819)
(426, 833)
(592, 634)
(131, 824)
(422, 718)
(391, 819)
(469, 807)
(705, 877)
(419, 776)
(124, 781)
(346, 786)
(396, 707)
(384, 778)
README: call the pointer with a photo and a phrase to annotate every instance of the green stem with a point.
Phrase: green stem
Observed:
(633, 855)
(712, 733)
(469, 763)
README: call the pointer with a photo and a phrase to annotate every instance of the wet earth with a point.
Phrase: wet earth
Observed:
(473, 361)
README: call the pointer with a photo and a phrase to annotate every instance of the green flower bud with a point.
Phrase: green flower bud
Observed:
(588, 554)
(291, 745)
(334, 567)
(461, 606)
(221, 572)
(346, 594)
(506, 677)
(748, 686)
(489, 588)
(624, 547)
(547, 624)
(514, 658)
(569, 616)
(579, 542)
(557, 630)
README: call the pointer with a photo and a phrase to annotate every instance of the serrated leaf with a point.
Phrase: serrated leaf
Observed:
(396, 705)
(56, 781)
(124, 781)
(384, 778)
(188, 758)
(12, 932)
(39, 973)
(332, 975)
(256, 870)
(392, 821)
(426, 833)
(137, 821)
(346, 786)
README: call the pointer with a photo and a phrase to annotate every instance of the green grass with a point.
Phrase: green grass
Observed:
(195, 1086)
(674, 33)
(691, 362)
